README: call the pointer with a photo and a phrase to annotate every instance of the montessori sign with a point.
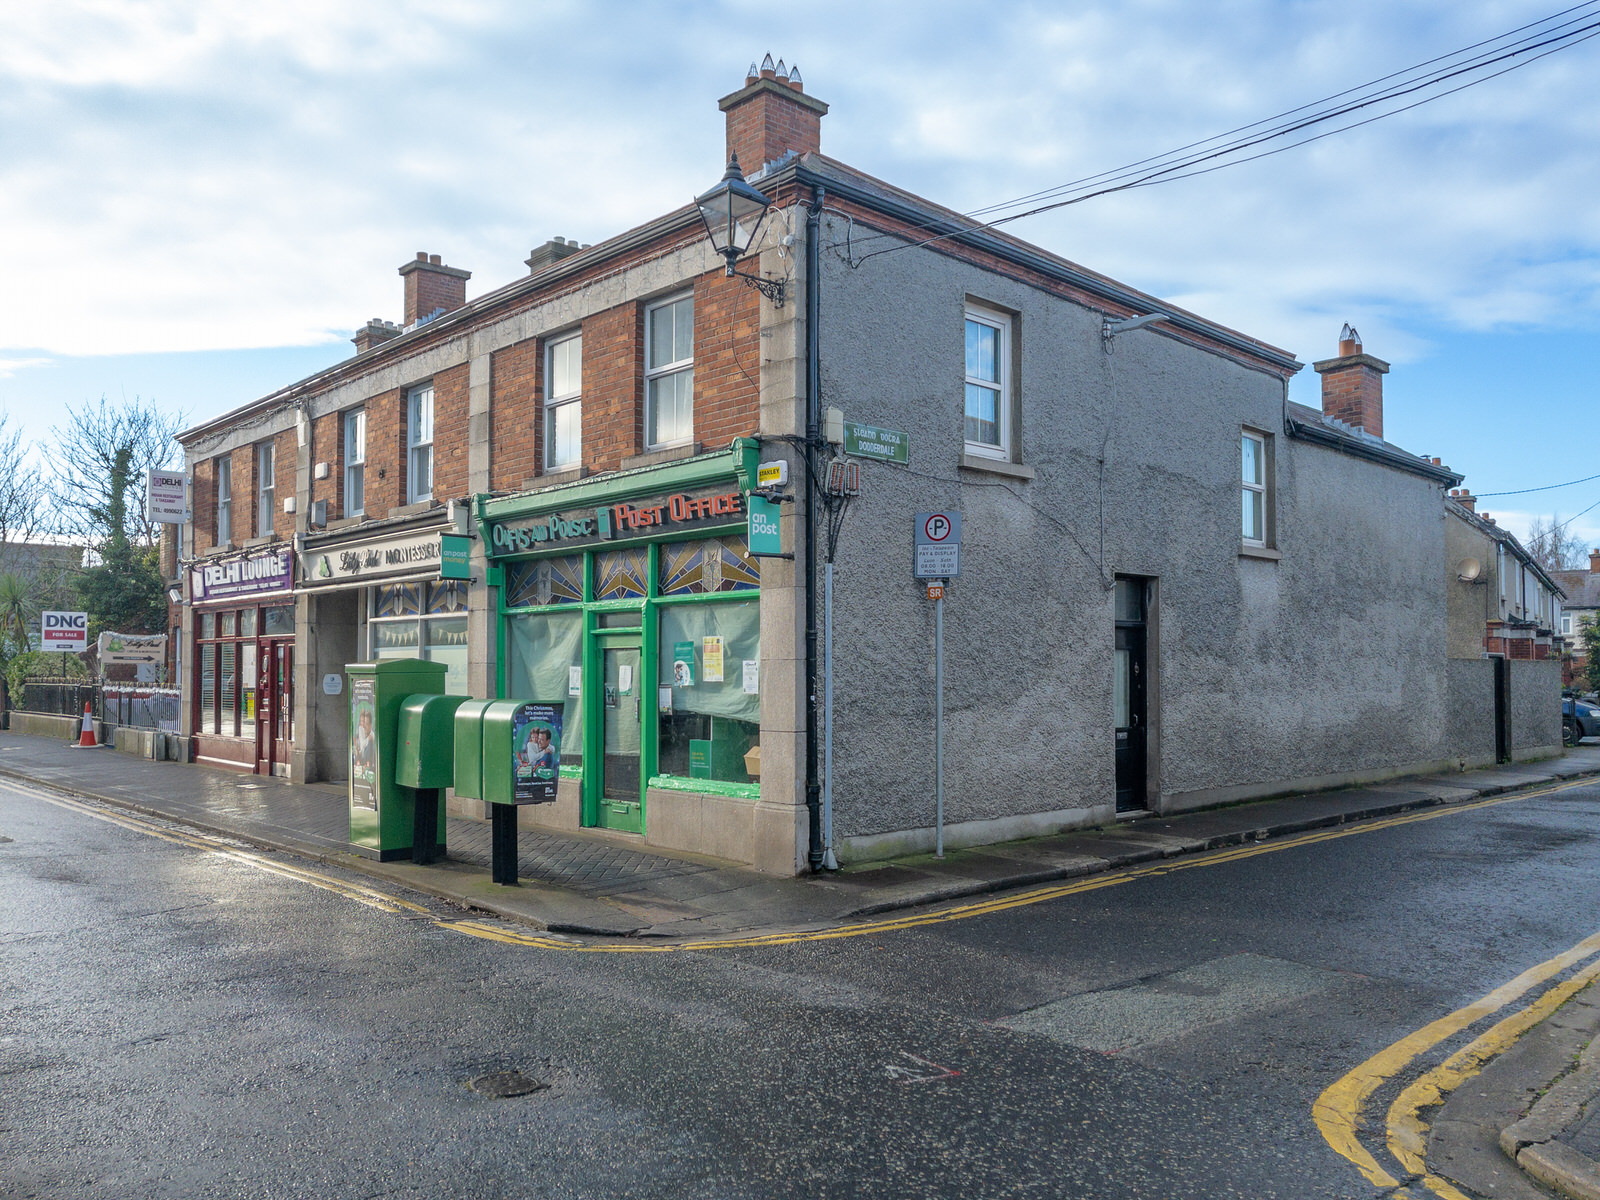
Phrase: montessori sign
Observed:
(247, 575)
(404, 554)
(682, 512)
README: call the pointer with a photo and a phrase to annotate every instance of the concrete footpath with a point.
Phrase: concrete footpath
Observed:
(601, 884)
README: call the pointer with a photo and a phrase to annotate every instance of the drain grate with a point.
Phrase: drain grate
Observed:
(502, 1085)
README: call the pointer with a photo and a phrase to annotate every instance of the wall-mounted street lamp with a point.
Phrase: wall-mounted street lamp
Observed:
(733, 212)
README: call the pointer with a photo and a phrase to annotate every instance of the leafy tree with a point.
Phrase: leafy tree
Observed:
(123, 591)
(1589, 628)
(17, 609)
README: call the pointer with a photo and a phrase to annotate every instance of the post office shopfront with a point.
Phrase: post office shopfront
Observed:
(634, 602)
(375, 591)
(241, 683)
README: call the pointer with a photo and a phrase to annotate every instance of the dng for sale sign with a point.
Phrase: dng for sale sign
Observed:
(64, 631)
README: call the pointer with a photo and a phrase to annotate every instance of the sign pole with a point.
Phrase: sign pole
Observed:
(938, 724)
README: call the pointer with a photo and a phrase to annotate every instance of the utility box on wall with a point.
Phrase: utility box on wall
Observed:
(381, 809)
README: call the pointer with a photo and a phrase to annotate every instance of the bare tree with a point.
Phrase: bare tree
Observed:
(1553, 546)
(21, 489)
(101, 455)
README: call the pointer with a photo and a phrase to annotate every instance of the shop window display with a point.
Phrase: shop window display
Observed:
(710, 660)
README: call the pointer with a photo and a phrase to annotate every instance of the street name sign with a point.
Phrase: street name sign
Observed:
(885, 445)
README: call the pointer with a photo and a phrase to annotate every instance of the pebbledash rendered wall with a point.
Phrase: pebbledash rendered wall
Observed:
(1324, 667)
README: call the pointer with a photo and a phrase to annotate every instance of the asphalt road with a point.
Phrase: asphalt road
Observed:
(175, 1022)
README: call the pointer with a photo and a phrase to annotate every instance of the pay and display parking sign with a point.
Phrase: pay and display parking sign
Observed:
(936, 545)
(64, 631)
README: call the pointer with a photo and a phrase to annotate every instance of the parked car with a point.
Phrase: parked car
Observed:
(1579, 719)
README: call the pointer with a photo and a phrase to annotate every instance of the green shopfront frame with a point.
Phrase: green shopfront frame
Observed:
(601, 560)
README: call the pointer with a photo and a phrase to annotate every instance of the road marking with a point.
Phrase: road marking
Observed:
(488, 930)
(1338, 1110)
(1408, 1131)
(360, 893)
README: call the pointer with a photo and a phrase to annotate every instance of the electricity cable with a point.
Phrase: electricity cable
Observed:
(1176, 164)
(1547, 488)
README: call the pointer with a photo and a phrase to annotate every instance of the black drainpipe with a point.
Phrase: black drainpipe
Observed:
(813, 418)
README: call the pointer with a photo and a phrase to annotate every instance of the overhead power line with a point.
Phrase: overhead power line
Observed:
(1470, 65)
(1549, 487)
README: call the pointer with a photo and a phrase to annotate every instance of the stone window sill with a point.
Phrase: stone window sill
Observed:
(996, 466)
(1259, 552)
(412, 510)
(249, 543)
(555, 478)
(670, 454)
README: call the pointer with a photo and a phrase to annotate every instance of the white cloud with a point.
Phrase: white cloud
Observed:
(208, 174)
(10, 366)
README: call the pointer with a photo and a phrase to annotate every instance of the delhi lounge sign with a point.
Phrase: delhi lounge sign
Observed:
(267, 572)
(625, 519)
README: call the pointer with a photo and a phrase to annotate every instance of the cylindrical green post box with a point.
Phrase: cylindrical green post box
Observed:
(380, 810)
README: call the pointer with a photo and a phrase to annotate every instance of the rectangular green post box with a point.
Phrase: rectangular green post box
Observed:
(469, 749)
(426, 755)
(380, 809)
(521, 752)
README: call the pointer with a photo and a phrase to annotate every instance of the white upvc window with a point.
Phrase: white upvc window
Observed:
(419, 444)
(669, 372)
(355, 463)
(1566, 624)
(264, 489)
(224, 500)
(988, 385)
(563, 403)
(1253, 483)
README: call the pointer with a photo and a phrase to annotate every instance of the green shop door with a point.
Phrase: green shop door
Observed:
(620, 791)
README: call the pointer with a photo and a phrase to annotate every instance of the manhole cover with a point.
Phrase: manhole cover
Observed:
(502, 1085)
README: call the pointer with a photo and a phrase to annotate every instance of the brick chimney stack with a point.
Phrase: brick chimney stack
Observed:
(432, 288)
(1465, 498)
(1352, 385)
(374, 333)
(771, 115)
(1594, 562)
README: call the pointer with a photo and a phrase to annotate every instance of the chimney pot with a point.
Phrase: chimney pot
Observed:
(1467, 500)
(552, 251)
(752, 74)
(794, 79)
(767, 69)
(435, 259)
(422, 256)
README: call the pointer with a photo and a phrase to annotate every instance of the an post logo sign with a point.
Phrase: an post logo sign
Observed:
(64, 631)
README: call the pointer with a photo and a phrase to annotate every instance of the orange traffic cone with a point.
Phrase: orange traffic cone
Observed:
(87, 737)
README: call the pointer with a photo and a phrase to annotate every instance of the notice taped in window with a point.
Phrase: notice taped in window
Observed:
(711, 659)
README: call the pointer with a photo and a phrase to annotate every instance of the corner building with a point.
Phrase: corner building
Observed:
(547, 489)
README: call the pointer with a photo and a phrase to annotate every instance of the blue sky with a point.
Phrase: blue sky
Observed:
(202, 201)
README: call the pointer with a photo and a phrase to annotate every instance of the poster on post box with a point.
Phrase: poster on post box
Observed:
(364, 744)
(536, 753)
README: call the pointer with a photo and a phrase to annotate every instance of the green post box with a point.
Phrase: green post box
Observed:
(469, 748)
(519, 762)
(425, 763)
(381, 811)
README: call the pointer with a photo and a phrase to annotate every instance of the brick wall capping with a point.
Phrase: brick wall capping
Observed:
(777, 89)
(1351, 360)
(436, 268)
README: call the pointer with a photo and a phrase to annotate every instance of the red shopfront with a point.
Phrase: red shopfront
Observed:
(241, 682)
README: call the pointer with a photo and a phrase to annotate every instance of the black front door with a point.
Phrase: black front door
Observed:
(1128, 689)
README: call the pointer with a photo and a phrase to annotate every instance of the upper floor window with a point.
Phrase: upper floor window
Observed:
(419, 441)
(1566, 624)
(563, 403)
(264, 488)
(988, 408)
(1254, 477)
(224, 500)
(355, 463)
(669, 372)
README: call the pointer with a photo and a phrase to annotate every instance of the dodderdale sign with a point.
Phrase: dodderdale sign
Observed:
(64, 631)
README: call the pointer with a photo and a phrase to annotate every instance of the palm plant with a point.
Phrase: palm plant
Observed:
(16, 610)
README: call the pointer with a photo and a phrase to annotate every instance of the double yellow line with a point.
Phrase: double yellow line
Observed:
(510, 935)
(1339, 1111)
